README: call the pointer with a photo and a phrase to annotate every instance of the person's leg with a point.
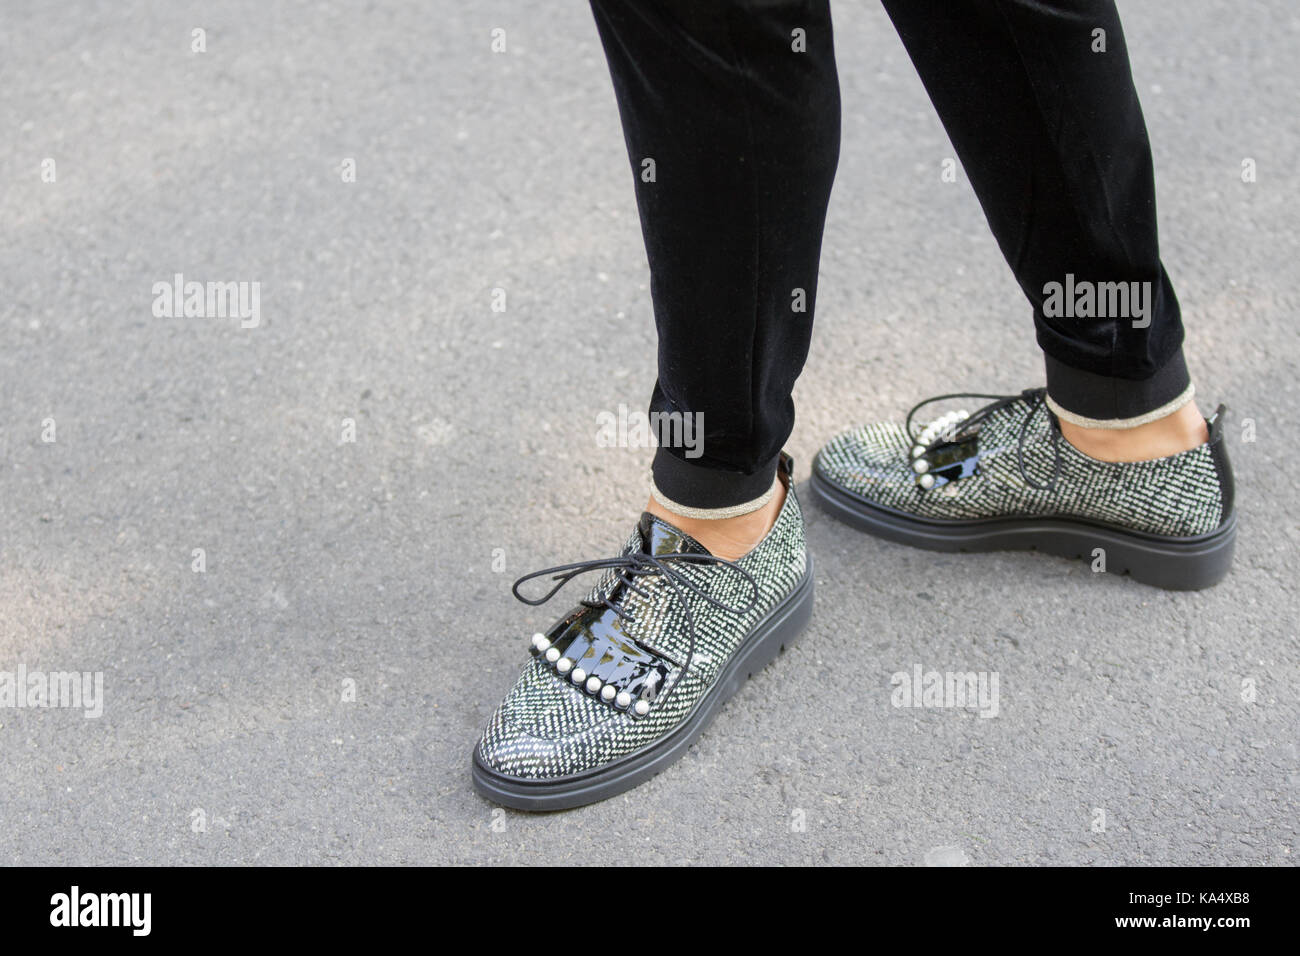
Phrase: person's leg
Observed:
(1038, 100)
(730, 110)
(1111, 461)
(730, 113)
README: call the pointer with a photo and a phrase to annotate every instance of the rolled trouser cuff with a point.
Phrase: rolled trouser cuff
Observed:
(1099, 401)
(697, 491)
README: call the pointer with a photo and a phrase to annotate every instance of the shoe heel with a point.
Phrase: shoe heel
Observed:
(772, 636)
(1186, 565)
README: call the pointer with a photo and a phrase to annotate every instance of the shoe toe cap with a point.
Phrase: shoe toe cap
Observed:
(871, 460)
(546, 727)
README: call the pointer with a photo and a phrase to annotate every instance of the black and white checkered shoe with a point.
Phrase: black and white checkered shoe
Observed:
(1003, 478)
(626, 681)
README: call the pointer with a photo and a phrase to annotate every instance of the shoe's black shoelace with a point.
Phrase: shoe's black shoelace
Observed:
(1035, 397)
(639, 564)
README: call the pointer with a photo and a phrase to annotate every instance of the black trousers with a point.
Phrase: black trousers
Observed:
(731, 114)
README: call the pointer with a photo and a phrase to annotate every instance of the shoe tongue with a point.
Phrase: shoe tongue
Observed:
(659, 537)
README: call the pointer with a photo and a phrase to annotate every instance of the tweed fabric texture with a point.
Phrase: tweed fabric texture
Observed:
(547, 727)
(1178, 496)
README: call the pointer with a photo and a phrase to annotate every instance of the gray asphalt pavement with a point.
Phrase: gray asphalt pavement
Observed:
(300, 636)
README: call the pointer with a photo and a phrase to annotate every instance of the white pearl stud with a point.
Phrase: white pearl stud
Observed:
(606, 693)
(926, 482)
(642, 708)
(593, 685)
(623, 699)
(920, 466)
(540, 642)
(578, 675)
(564, 666)
(553, 654)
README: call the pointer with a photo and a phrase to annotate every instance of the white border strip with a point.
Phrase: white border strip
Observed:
(732, 511)
(1116, 423)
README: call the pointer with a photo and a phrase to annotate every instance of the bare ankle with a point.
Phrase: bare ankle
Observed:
(1178, 432)
(729, 538)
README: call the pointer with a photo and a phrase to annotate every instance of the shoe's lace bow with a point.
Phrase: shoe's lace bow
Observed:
(637, 564)
(943, 431)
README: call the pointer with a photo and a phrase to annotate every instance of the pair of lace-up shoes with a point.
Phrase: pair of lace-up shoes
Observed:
(620, 686)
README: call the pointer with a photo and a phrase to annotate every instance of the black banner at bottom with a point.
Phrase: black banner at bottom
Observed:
(611, 905)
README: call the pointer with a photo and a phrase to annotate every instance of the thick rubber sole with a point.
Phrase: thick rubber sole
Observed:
(769, 638)
(1173, 563)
